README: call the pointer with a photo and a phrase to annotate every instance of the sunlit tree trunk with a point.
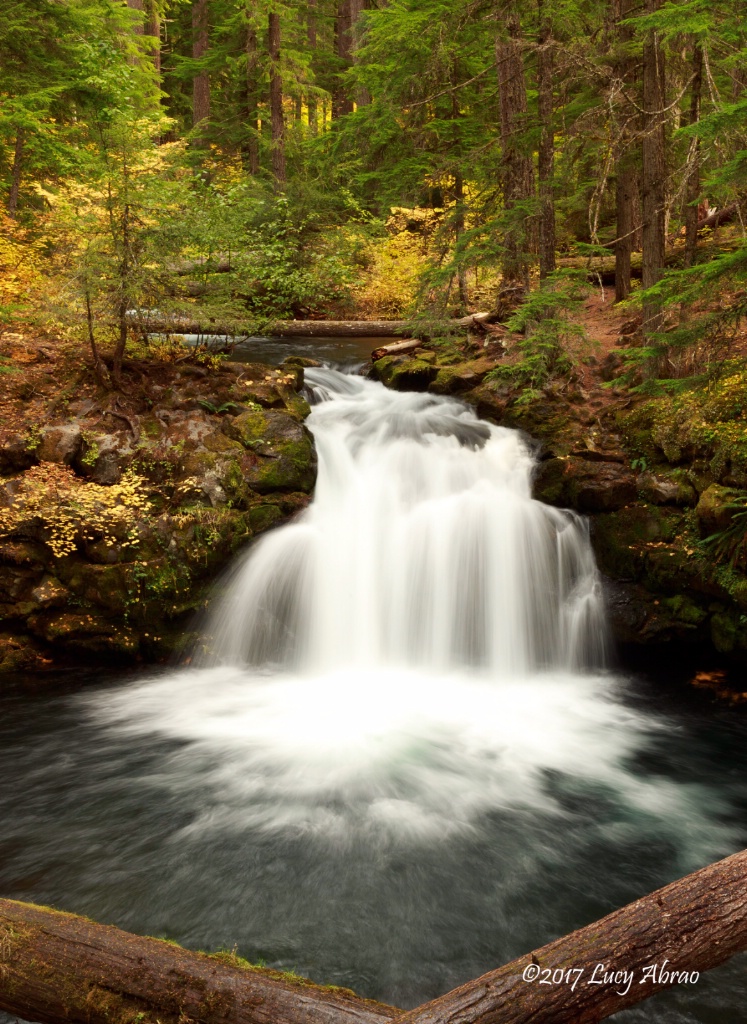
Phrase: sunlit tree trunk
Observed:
(276, 102)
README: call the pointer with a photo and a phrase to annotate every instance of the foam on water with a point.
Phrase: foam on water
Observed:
(421, 648)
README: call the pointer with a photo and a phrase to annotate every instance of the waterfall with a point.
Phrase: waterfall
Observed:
(414, 654)
(422, 549)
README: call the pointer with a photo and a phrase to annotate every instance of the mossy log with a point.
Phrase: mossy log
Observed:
(298, 328)
(59, 967)
(692, 925)
(56, 967)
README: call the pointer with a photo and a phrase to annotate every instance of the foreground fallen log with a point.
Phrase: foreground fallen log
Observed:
(56, 967)
(686, 928)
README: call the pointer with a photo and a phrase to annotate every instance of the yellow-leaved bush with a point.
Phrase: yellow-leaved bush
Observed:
(69, 510)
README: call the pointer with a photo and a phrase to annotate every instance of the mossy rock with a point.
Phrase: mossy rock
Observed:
(286, 458)
(84, 630)
(452, 380)
(715, 509)
(263, 517)
(619, 540)
(402, 374)
(667, 488)
(585, 486)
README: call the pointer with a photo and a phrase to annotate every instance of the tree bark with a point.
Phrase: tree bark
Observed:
(362, 95)
(691, 925)
(654, 171)
(303, 328)
(517, 171)
(201, 82)
(15, 179)
(341, 101)
(692, 191)
(546, 155)
(311, 103)
(626, 189)
(250, 141)
(276, 102)
(58, 967)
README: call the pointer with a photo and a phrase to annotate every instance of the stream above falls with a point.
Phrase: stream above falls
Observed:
(400, 758)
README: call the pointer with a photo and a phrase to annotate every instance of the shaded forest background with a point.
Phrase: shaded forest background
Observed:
(240, 161)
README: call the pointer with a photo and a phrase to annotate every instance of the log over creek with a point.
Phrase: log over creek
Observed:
(303, 328)
(59, 967)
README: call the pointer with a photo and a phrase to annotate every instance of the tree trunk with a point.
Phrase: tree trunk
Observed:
(250, 141)
(692, 191)
(201, 83)
(362, 95)
(626, 189)
(15, 179)
(546, 153)
(276, 102)
(57, 967)
(517, 170)
(654, 171)
(341, 101)
(153, 28)
(689, 926)
(311, 38)
(137, 5)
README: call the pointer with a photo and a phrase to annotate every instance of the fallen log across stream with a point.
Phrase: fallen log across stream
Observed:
(57, 967)
(154, 324)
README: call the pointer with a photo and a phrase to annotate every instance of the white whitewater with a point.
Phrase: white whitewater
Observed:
(412, 656)
(422, 548)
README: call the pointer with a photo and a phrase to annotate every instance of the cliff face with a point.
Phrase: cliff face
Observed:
(114, 521)
(661, 481)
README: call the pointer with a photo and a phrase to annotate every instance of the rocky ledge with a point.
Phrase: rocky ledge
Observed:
(113, 522)
(655, 518)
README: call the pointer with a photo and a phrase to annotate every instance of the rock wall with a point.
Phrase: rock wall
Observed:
(112, 527)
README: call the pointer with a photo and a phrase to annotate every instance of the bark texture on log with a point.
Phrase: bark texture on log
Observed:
(56, 967)
(694, 924)
(303, 328)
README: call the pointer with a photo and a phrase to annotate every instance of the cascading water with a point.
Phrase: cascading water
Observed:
(423, 548)
(400, 764)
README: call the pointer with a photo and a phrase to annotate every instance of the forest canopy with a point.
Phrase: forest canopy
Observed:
(258, 160)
